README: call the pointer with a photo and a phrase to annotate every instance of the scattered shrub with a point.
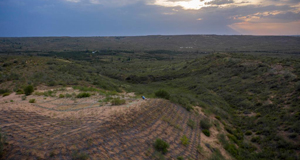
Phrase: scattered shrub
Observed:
(32, 101)
(117, 101)
(19, 91)
(218, 117)
(161, 145)
(28, 90)
(162, 94)
(191, 123)
(24, 97)
(255, 139)
(83, 95)
(61, 96)
(205, 123)
(80, 156)
(6, 94)
(68, 95)
(293, 135)
(184, 140)
(52, 154)
(248, 133)
(180, 158)
(206, 132)
(2, 91)
(232, 138)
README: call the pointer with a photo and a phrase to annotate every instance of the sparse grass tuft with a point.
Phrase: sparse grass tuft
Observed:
(117, 101)
(191, 123)
(32, 101)
(184, 140)
(83, 95)
(80, 156)
(5, 94)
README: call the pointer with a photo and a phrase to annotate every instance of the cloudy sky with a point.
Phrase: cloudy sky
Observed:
(19, 18)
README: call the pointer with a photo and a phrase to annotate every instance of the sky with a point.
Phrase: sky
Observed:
(36, 18)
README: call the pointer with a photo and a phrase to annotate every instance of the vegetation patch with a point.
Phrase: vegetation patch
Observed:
(162, 94)
(184, 140)
(5, 94)
(118, 101)
(83, 95)
(28, 90)
(32, 101)
(191, 123)
(206, 132)
(161, 146)
(80, 156)
(205, 123)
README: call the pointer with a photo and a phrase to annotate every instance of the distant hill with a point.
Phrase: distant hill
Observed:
(184, 43)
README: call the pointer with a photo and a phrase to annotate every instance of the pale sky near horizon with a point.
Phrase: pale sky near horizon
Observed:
(26, 18)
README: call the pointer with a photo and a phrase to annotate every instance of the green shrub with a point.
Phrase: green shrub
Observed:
(117, 101)
(6, 94)
(80, 156)
(28, 90)
(206, 132)
(24, 97)
(293, 135)
(32, 101)
(161, 145)
(256, 139)
(232, 149)
(232, 138)
(68, 95)
(83, 95)
(180, 158)
(184, 140)
(61, 96)
(19, 91)
(191, 123)
(2, 91)
(205, 123)
(162, 94)
(218, 117)
(248, 133)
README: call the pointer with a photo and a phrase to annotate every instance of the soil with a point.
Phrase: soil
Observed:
(65, 128)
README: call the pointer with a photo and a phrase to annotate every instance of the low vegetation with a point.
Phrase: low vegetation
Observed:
(206, 132)
(191, 123)
(255, 94)
(32, 101)
(118, 101)
(28, 90)
(205, 123)
(184, 140)
(162, 94)
(83, 95)
(161, 145)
